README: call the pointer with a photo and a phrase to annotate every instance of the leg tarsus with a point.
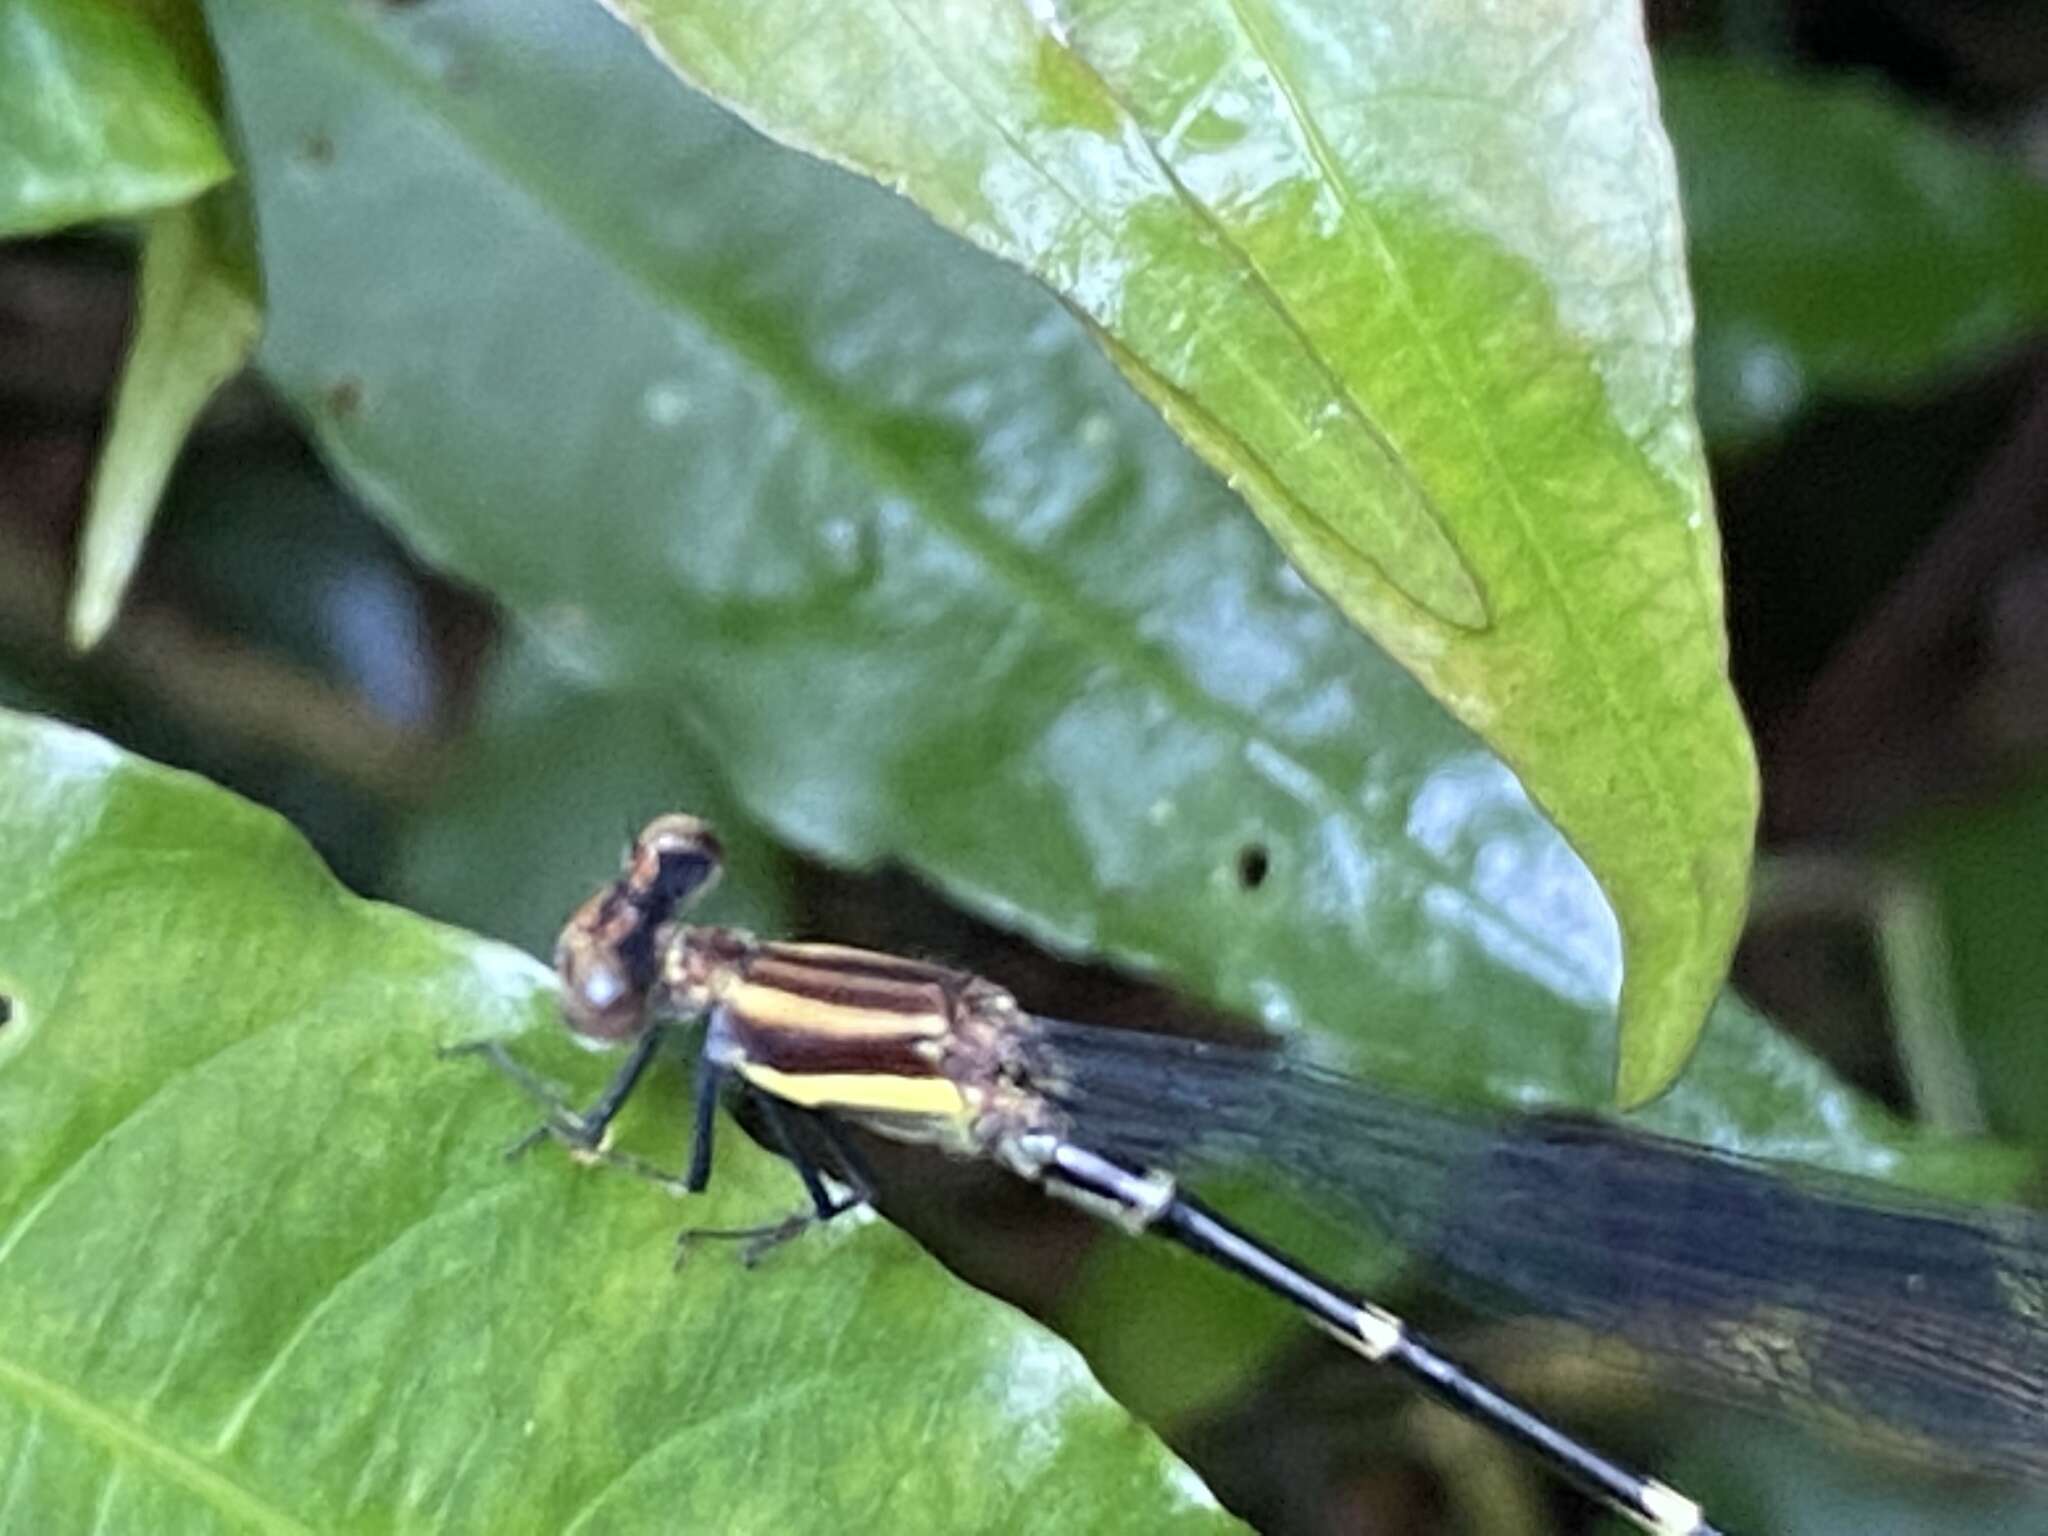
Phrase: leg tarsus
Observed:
(760, 1241)
(581, 1131)
(587, 1130)
(756, 1242)
(584, 1134)
(560, 1113)
(525, 1144)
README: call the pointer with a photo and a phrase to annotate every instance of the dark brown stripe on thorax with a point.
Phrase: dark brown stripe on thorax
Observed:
(846, 979)
(819, 1008)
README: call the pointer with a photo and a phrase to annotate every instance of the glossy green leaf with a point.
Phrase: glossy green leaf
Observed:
(181, 24)
(1843, 243)
(96, 119)
(262, 1268)
(548, 785)
(752, 441)
(197, 321)
(1411, 277)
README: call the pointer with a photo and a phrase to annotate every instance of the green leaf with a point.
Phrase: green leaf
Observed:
(96, 120)
(196, 326)
(181, 25)
(1843, 243)
(1983, 865)
(261, 1266)
(751, 441)
(1409, 275)
(548, 785)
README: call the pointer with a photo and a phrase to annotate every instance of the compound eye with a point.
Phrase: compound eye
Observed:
(602, 998)
(675, 860)
(608, 955)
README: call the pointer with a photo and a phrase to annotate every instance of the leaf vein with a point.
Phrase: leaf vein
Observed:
(120, 1435)
(1650, 764)
(238, 1417)
(1100, 632)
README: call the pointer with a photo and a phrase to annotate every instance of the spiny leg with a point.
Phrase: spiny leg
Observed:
(583, 1131)
(588, 1129)
(824, 1204)
(761, 1240)
(493, 1050)
(710, 1079)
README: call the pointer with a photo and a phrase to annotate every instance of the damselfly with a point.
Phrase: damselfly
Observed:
(1821, 1294)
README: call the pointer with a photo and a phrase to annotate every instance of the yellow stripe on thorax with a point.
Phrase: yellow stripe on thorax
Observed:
(875, 1093)
(768, 1006)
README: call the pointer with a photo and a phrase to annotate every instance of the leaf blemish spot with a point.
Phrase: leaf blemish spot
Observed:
(345, 397)
(1253, 865)
(318, 149)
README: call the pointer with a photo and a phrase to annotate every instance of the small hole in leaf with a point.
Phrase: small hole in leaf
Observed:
(1253, 864)
(345, 397)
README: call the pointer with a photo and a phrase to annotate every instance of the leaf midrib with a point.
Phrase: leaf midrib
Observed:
(120, 1435)
(1650, 765)
(1100, 632)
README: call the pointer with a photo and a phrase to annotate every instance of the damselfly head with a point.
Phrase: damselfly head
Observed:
(607, 955)
(674, 860)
